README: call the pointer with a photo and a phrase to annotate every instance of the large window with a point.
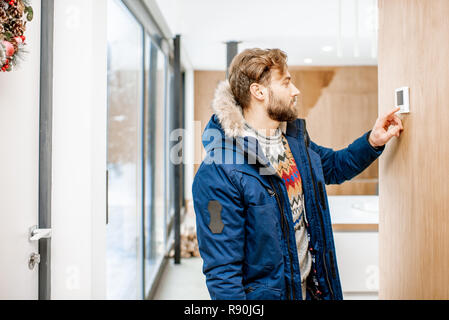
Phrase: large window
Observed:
(124, 115)
(140, 200)
(155, 159)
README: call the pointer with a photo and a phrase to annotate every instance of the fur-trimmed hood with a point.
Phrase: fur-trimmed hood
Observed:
(229, 113)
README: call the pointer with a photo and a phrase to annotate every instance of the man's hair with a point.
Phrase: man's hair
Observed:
(254, 66)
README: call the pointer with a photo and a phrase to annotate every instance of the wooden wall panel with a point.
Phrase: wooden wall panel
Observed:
(414, 170)
(339, 103)
(311, 82)
(346, 109)
(205, 84)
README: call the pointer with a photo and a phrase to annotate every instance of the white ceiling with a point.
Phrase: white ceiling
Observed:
(301, 28)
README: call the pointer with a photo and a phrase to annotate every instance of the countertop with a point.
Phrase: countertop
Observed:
(354, 213)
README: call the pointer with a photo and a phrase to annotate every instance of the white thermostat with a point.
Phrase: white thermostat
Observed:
(403, 99)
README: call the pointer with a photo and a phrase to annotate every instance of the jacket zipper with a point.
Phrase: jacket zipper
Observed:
(321, 219)
(287, 238)
(323, 201)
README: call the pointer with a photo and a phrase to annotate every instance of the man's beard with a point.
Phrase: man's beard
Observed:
(280, 111)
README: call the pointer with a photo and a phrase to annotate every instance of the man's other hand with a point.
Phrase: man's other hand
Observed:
(386, 127)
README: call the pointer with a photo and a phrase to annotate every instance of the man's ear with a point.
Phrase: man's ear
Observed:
(258, 91)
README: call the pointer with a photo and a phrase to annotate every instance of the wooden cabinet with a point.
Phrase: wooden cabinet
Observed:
(355, 224)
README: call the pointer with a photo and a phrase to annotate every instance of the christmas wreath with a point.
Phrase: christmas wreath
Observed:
(14, 15)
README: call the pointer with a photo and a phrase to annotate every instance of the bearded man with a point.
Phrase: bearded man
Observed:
(263, 222)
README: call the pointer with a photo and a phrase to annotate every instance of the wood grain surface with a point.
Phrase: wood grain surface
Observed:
(414, 170)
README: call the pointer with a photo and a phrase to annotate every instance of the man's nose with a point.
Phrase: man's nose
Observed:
(296, 92)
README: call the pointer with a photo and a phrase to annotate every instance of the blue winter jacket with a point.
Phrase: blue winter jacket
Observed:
(244, 219)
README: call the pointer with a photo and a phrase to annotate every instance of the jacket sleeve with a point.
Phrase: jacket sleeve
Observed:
(343, 165)
(220, 230)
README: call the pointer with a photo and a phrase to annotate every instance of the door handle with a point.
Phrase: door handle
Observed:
(37, 234)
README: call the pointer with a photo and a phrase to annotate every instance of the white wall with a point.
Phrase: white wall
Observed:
(79, 150)
(19, 160)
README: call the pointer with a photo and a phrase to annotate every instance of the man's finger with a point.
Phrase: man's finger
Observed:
(395, 120)
(398, 121)
(394, 131)
(392, 112)
(398, 132)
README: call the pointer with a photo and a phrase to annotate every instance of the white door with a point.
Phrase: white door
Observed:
(19, 167)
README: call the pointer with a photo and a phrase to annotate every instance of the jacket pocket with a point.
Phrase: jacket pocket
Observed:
(259, 292)
(263, 249)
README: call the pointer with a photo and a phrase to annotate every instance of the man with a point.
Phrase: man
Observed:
(263, 220)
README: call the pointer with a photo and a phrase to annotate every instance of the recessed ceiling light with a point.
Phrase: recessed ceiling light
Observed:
(327, 48)
(308, 61)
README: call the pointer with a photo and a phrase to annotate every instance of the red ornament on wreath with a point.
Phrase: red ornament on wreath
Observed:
(14, 15)
(9, 49)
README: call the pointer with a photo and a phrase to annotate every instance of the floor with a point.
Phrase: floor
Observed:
(183, 282)
(187, 282)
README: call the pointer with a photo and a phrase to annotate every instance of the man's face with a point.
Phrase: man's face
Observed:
(282, 98)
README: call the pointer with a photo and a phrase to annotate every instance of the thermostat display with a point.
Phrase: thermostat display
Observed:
(403, 99)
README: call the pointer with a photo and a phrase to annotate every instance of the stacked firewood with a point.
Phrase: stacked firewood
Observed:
(189, 241)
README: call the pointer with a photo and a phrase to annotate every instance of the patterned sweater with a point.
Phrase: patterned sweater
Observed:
(277, 151)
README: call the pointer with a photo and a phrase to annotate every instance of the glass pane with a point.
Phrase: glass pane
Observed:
(155, 179)
(124, 103)
(171, 113)
(161, 154)
(149, 166)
